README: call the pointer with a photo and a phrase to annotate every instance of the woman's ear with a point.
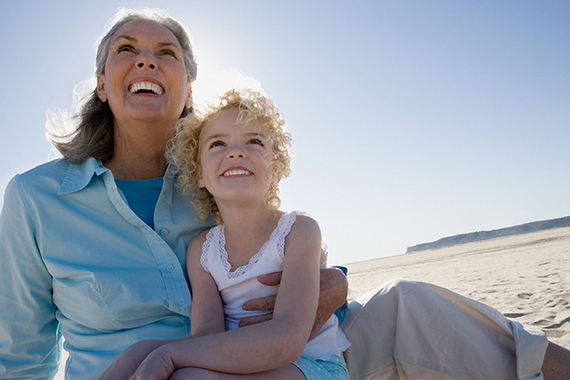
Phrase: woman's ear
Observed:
(189, 101)
(101, 90)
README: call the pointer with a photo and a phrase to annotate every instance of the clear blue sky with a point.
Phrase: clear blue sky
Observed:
(411, 120)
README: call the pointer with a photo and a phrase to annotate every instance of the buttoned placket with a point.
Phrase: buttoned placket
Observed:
(177, 290)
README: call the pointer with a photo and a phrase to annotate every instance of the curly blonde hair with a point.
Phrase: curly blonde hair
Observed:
(184, 149)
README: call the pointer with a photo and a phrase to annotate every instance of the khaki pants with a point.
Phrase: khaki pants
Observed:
(414, 330)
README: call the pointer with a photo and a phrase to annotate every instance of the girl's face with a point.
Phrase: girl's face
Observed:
(145, 77)
(235, 159)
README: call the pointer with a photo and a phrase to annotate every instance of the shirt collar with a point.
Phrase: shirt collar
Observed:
(79, 175)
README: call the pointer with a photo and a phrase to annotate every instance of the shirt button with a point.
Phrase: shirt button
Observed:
(180, 302)
(170, 268)
(164, 232)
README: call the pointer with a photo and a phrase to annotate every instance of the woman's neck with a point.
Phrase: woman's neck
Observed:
(139, 153)
(136, 166)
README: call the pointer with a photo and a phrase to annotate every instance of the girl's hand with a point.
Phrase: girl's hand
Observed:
(158, 365)
(129, 360)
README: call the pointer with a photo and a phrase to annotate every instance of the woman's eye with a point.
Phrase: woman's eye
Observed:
(124, 48)
(169, 52)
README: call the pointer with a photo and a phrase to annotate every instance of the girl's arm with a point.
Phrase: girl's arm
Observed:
(263, 346)
(207, 308)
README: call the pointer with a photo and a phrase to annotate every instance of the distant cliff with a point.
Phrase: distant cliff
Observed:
(485, 235)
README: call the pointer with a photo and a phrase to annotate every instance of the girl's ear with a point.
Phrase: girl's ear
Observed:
(200, 179)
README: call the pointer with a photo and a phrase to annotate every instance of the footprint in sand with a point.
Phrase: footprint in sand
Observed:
(555, 303)
(514, 315)
(559, 324)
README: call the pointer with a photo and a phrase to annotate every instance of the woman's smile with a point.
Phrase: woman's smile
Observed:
(146, 88)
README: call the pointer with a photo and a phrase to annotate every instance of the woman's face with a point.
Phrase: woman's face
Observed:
(145, 78)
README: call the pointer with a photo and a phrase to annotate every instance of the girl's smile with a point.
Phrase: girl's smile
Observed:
(236, 172)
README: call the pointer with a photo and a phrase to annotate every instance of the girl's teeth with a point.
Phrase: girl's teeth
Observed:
(236, 172)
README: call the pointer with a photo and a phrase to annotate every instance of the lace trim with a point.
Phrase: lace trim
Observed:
(281, 241)
(325, 249)
(206, 248)
(292, 217)
(281, 229)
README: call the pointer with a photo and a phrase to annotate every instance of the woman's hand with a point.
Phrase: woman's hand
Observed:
(333, 293)
(128, 361)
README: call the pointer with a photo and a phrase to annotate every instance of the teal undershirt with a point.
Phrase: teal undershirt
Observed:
(142, 196)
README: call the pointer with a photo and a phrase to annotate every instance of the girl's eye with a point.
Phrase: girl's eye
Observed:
(217, 143)
(256, 141)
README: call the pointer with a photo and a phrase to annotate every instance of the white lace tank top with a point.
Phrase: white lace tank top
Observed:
(241, 285)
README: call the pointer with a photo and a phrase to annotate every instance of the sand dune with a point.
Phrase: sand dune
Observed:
(526, 277)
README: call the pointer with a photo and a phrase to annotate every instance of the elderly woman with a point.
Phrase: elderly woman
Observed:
(93, 245)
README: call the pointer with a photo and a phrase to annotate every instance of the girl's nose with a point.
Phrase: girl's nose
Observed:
(236, 152)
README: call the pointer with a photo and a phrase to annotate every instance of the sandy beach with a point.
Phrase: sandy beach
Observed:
(526, 277)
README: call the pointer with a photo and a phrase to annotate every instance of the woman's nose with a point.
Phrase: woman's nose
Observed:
(146, 59)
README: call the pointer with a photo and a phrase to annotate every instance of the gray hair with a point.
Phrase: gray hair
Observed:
(93, 136)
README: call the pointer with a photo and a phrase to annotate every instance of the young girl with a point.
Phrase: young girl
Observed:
(236, 154)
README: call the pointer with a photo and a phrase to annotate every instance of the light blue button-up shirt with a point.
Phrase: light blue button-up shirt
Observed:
(77, 262)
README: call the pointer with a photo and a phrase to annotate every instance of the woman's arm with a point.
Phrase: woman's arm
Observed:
(263, 346)
(28, 327)
(333, 293)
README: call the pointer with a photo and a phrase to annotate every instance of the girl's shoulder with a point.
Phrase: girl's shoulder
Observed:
(304, 220)
(303, 226)
(195, 246)
(305, 233)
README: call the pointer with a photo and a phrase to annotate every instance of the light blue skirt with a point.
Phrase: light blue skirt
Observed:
(334, 368)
